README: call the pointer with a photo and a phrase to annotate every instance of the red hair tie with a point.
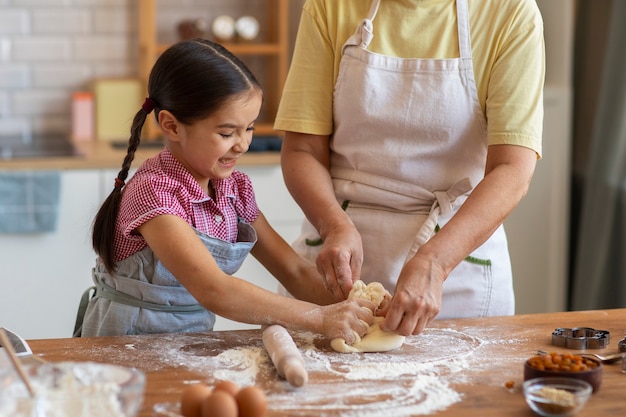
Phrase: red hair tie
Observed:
(148, 105)
(119, 183)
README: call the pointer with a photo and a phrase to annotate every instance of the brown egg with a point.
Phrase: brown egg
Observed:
(228, 386)
(251, 402)
(192, 398)
(219, 404)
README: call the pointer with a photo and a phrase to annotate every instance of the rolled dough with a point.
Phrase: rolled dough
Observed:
(376, 339)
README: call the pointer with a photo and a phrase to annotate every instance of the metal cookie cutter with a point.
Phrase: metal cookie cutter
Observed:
(580, 338)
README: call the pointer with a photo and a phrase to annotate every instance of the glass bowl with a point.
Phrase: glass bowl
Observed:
(554, 396)
(72, 389)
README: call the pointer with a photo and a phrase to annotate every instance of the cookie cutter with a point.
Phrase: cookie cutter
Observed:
(580, 338)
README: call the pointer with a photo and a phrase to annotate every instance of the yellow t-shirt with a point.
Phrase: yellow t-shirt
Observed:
(507, 52)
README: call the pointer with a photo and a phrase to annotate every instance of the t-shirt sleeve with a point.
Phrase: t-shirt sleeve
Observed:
(514, 104)
(307, 98)
(152, 197)
(245, 202)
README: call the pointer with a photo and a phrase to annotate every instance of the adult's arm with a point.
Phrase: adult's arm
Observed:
(305, 165)
(418, 293)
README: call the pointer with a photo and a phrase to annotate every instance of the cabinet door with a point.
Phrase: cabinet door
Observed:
(44, 275)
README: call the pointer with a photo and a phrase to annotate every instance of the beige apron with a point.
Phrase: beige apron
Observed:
(410, 143)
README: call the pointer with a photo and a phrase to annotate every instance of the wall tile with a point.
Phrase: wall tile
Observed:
(40, 102)
(5, 49)
(4, 104)
(14, 21)
(70, 21)
(42, 3)
(14, 127)
(101, 48)
(73, 75)
(116, 69)
(48, 123)
(41, 48)
(14, 76)
(113, 20)
(107, 3)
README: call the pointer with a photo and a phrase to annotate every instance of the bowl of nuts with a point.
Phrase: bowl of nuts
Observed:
(565, 365)
(554, 396)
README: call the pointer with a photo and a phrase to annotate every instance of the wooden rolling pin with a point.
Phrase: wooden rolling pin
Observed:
(285, 355)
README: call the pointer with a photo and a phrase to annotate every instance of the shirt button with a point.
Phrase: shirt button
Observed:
(218, 218)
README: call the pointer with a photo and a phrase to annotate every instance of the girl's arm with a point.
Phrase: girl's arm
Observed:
(182, 252)
(296, 274)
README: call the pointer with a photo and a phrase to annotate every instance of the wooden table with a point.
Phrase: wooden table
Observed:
(455, 368)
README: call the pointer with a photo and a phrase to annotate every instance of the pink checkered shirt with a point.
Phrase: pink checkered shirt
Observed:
(163, 186)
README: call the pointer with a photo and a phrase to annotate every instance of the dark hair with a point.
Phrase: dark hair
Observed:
(192, 80)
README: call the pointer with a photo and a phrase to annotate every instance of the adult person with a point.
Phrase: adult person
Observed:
(170, 240)
(412, 129)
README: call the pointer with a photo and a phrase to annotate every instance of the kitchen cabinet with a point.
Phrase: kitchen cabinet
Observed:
(271, 53)
(42, 276)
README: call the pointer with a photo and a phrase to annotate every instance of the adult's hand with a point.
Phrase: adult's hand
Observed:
(340, 260)
(305, 161)
(417, 297)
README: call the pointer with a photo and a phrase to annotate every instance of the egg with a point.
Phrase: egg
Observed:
(227, 386)
(251, 402)
(192, 398)
(219, 404)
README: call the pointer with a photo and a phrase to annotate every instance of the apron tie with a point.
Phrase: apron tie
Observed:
(367, 28)
(441, 205)
(104, 290)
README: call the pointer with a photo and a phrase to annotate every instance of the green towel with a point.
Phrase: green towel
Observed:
(29, 201)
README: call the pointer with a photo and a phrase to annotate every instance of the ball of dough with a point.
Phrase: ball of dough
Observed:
(376, 339)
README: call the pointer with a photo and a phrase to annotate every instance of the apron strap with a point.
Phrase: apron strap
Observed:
(441, 205)
(462, 16)
(82, 308)
(104, 290)
(364, 33)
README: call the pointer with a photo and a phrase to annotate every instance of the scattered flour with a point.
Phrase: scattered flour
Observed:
(417, 379)
(413, 380)
(244, 364)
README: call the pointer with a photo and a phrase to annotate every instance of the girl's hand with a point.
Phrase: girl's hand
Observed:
(343, 319)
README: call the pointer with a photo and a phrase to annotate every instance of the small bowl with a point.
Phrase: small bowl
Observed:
(81, 389)
(553, 396)
(592, 376)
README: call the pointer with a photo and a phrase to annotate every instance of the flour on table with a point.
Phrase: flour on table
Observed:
(417, 379)
(244, 364)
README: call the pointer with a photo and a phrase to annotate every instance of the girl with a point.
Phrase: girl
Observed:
(169, 240)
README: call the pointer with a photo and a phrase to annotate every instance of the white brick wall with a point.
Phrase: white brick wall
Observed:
(52, 48)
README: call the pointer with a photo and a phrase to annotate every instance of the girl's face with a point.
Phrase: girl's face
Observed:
(209, 148)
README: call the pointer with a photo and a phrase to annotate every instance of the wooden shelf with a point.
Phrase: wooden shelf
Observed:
(273, 50)
(241, 48)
